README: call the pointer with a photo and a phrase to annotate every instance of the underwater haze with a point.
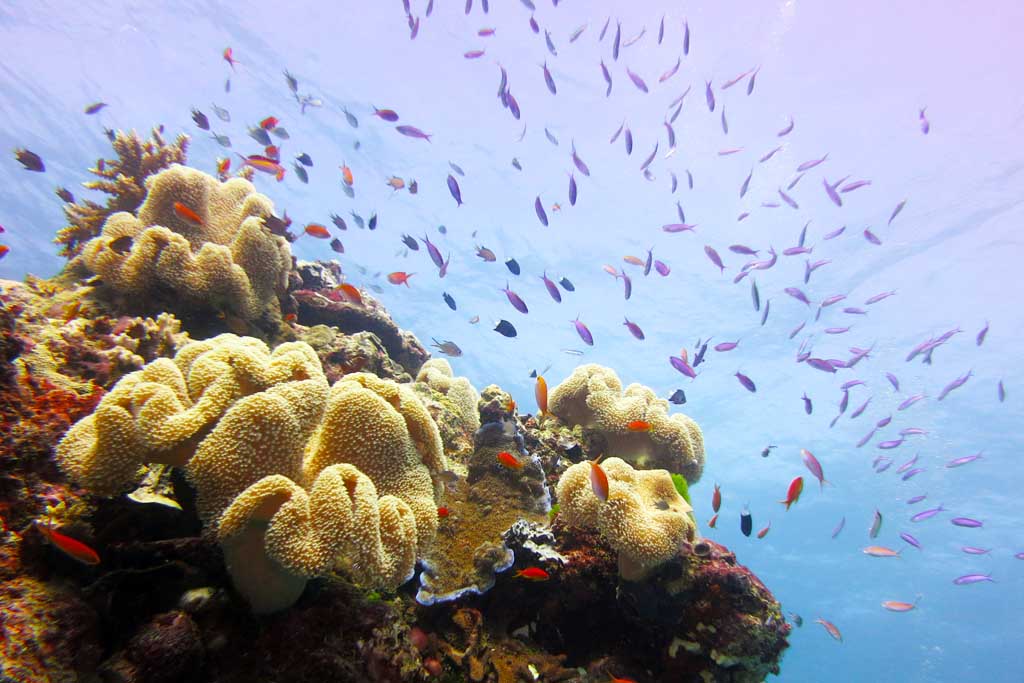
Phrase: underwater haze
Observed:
(850, 79)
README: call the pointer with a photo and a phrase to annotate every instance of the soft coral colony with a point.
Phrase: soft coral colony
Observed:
(304, 470)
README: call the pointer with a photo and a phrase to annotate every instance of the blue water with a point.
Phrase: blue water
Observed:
(853, 77)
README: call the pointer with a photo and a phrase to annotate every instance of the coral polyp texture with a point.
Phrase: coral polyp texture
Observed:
(227, 261)
(294, 478)
(123, 179)
(644, 518)
(592, 397)
(452, 401)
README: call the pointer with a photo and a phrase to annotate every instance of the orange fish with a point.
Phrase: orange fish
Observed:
(3, 250)
(556, 207)
(793, 494)
(290, 318)
(351, 293)
(510, 407)
(400, 278)
(897, 606)
(510, 461)
(229, 57)
(831, 628)
(598, 480)
(880, 551)
(685, 356)
(396, 183)
(263, 164)
(317, 230)
(633, 260)
(68, 545)
(616, 679)
(639, 426)
(443, 512)
(716, 499)
(764, 532)
(713, 521)
(223, 165)
(346, 175)
(541, 392)
(187, 213)
(272, 152)
(268, 123)
(532, 574)
(610, 270)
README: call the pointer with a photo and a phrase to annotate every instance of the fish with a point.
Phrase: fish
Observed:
(69, 546)
(750, 83)
(222, 114)
(662, 268)
(598, 480)
(764, 315)
(400, 278)
(64, 194)
(551, 287)
(716, 499)
(448, 348)
(854, 185)
(413, 132)
(567, 284)
(634, 329)
(787, 129)
(789, 200)
(200, 119)
(839, 527)
(372, 224)
(746, 521)
(747, 383)
(923, 120)
(95, 107)
(532, 574)
(814, 466)
(764, 532)
(678, 227)
(793, 492)
(628, 140)
(955, 384)
(966, 522)
(617, 41)
(448, 299)
(515, 300)
(682, 366)
(709, 96)
(876, 525)
(973, 550)
(910, 539)
(505, 328)
(453, 187)
(550, 43)
(726, 346)
(880, 551)
(577, 33)
(300, 172)
(483, 252)
(538, 208)
(831, 628)
(916, 499)
(1001, 391)
(579, 162)
(927, 514)
(637, 80)
(808, 165)
(770, 154)
(714, 257)
(896, 211)
(725, 122)
(30, 161)
(551, 138)
(549, 80)
(510, 461)
(350, 118)
(670, 72)
(968, 579)
(339, 223)
(572, 190)
(260, 135)
(228, 56)
(583, 331)
(187, 213)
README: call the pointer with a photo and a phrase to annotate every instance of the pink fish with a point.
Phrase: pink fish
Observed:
(634, 329)
(671, 72)
(814, 466)
(412, 132)
(637, 81)
(714, 257)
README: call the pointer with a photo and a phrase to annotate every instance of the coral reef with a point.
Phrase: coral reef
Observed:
(452, 402)
(227, 263)
(592, 397)
(342, 354)
(123, 179)
(644, 518)
(317, 301)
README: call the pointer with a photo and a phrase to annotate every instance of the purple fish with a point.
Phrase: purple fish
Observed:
(549, 80)
(867, 437)
(579, 162)
(860, 409)
(896, 211)
(747, 383)
(879, 297)
(808, 165)
(413, 132)
(435, 253)
(871, 237)
(910, 539)
(889, 445)
(662, 268)
(628, 139)
(787, 130)
(893, 380)
(515, 300)
(764, 314)
(907, 465)
(916, 499)
(789, 200)
(453, 187)
(955, 384)
(671, 72)
(795, 251)
(927, 514)
(551, 287)
(678, 227)
(798, 295)
(834, 299)
(980, 339)
(617, 42)
(836, 330)
(627, 286)
(513, 105)
(686, 37)
(839, 527)
(796, 330)
(973, 550)
(910, 401)
(634, 329)
(844, 403)
(617, 133)
(884, 466)
(856, 184)
(821, 364)
(539, 208)
(572, 190)
(583, 331)
(637, 81)
(607, 78)
(968, 579)
(682, 366)
(912, 431)
(884, 422)
(850, 384)
(808, 406)
(835, 233)
(770, 154)
(852, 310)
(1001, 391)
(912, 473)
(966, 522)
(726, 346)
(714, 257)
(830, 190)
(709, 95)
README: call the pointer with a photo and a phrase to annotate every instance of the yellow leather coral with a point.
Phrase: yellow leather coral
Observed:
(644, 518)
(592, 397)
(453, 403)
(228, 262)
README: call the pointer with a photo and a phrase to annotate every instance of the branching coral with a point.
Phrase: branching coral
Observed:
(592, 397)
(229, 262)
(644, 518)
(123, 179)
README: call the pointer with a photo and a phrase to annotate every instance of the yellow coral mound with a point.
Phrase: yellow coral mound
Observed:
(644, 518)
(592, 397)
(452, 401)
(229, 262)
